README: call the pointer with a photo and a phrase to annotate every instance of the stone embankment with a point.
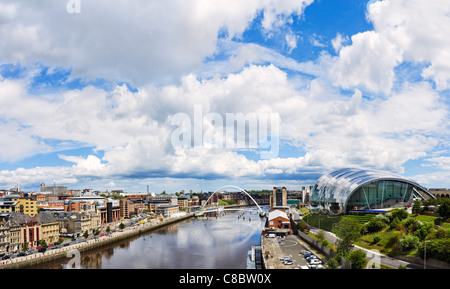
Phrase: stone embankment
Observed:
(69, 251)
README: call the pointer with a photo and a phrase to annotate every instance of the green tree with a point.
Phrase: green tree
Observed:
(409, 242)
(85, 234)
(357, 258)
(375, 225)
(43, 243)
(417, 207)
(121, 226)
(321, 235)
(444, 208)
(302, 226)
(333, 263)
(399, 213)
(423, 230)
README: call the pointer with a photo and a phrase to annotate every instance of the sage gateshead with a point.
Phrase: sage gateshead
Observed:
(345, 190)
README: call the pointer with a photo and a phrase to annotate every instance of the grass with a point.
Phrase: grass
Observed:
(322, 221)
(360, 218)
(425, 219)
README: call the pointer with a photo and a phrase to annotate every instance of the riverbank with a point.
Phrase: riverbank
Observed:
(68, 251)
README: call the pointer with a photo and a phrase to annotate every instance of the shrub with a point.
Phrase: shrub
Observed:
(409, 242)
(423, 230)
(357, 258)
(302, 226)
(408, 222)
(376, 239)
(383, 218)
(333, 263)
(399, 213)
(393, 239)
(437, 249)
(440, 233)
(375, 225)
(394, 223)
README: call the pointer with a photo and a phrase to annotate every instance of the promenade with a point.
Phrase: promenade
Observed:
(85, 245)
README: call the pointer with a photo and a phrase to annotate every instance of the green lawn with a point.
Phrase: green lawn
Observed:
(425, 219)
(322, 221)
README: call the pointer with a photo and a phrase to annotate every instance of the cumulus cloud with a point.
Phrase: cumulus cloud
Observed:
(404, 31)
(369, 62)
(135, 41)
(134, 131)
(371, 124)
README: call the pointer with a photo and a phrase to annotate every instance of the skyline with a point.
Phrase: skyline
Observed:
(87, 96)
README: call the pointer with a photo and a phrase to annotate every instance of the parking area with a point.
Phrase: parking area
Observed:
(285, 253)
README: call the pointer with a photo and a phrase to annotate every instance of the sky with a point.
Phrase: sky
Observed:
(126, 94)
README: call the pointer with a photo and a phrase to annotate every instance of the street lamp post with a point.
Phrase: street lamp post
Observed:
(425, 255)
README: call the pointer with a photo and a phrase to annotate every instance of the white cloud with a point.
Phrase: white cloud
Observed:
(133, 128)
(140, 42)
(339, 41)
(413, 31)
(369, 62)
(291, 41)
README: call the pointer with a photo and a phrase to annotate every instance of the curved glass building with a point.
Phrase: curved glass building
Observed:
(350, 189)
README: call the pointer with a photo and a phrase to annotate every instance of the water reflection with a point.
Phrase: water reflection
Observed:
(218, 241)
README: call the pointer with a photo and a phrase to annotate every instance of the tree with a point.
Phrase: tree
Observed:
(321, 235)
(374, 225)
(86, 234)
(302, 226)
(417, 207)
(332, 263)
(358, 259)
(444, 208)
(409, 242)
(43, 243)
(399, 213)
(121, 226)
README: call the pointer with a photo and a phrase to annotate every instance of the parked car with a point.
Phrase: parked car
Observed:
(288, 262)
(285, 258)
(315, 262)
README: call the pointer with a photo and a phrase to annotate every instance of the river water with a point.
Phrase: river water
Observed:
(216, 242)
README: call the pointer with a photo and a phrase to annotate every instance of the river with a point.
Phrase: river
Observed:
(216, 242)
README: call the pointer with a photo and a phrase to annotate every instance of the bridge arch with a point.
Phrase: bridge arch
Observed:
(242, 190)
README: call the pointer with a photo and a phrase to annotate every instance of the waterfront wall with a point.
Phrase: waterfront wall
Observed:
(65, 252)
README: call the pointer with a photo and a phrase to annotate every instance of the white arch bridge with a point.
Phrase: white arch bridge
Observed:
(219, 209)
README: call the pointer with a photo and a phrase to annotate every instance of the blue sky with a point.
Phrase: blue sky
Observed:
(87, 99)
